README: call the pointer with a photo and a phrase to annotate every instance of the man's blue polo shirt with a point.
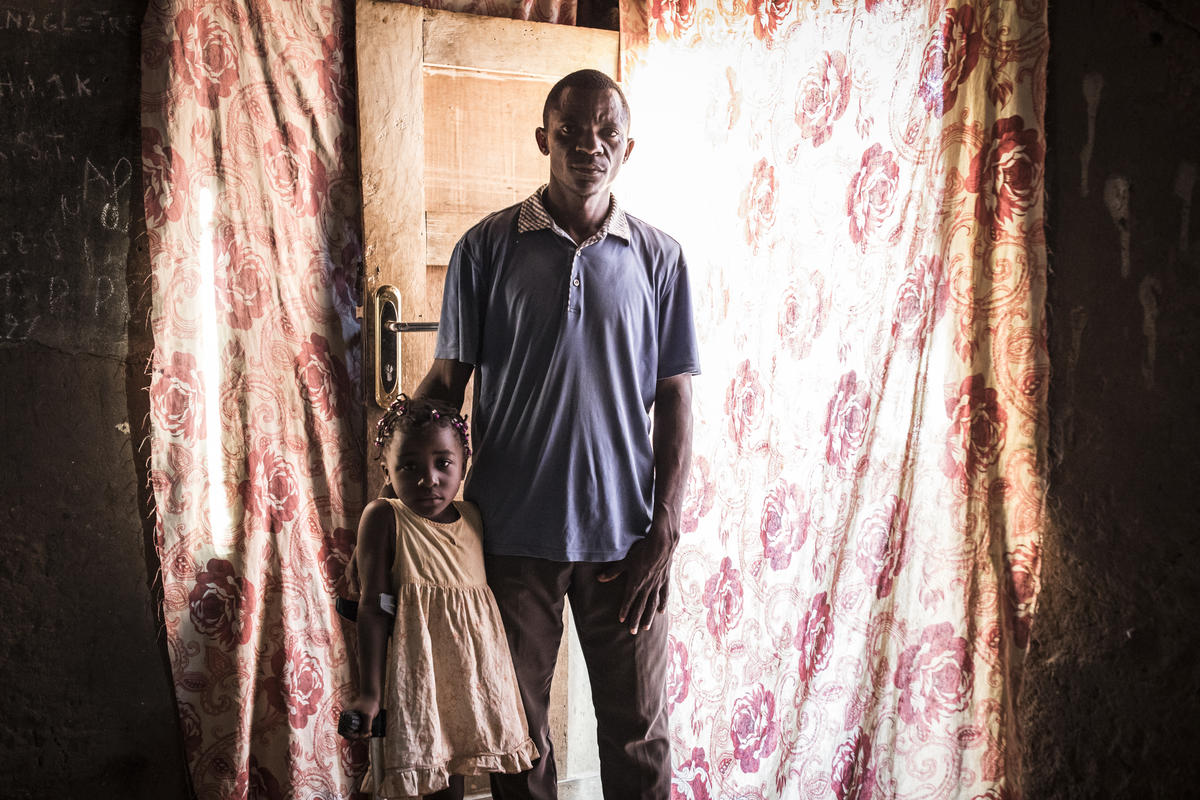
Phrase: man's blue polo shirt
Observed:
(568, 344)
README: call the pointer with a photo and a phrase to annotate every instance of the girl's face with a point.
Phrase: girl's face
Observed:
(425, 468)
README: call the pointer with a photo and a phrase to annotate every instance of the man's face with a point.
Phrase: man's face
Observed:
(587, 139)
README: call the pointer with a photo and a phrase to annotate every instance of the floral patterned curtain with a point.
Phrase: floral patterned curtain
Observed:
(859, 189)
(251, 213)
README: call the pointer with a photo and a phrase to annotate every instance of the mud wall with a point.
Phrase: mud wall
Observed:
(1112, 686)
(86, 708)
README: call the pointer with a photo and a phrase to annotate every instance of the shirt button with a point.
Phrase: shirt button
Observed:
(576, 281)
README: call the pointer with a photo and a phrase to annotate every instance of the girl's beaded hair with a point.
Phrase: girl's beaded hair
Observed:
(412, 414)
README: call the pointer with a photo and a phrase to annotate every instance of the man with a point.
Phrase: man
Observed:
(576, 319)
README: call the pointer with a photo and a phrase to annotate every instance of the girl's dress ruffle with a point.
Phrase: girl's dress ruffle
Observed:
(401, 784)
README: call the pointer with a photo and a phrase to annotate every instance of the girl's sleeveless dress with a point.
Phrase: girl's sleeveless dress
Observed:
(452, 700)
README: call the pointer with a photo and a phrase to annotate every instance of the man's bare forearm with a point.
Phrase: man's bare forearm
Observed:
(672, 440)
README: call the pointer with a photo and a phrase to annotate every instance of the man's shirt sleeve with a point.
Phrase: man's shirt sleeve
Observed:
(462, 309)
(678, 353)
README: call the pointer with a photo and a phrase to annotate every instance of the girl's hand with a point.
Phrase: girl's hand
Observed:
(369, 709)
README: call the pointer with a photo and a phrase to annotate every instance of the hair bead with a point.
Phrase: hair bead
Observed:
(417, 413)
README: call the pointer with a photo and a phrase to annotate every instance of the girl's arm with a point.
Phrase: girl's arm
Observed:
(374, 554)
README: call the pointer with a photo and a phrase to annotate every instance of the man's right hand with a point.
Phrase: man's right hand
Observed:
(446, 381)
(647, 571)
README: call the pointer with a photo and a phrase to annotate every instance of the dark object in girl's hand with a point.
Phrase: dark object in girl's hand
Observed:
(351, 723)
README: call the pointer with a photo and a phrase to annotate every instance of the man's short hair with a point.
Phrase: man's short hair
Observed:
(589, 79)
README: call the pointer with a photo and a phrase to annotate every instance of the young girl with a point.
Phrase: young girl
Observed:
(451, 693)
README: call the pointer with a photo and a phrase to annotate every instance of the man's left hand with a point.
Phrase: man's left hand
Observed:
(647, 571)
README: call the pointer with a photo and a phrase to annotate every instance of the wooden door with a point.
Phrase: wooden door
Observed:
(447, 107)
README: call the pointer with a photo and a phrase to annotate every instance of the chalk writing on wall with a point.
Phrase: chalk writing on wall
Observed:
(68, 174)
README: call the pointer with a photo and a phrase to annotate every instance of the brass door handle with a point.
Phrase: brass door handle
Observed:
(388, 328)
(402, 327)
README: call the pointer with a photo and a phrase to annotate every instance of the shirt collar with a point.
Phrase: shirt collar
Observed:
(535, 217)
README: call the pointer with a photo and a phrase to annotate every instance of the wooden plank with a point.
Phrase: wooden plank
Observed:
(480, 151)
(516, 46)
(391, 143)
(444, 229)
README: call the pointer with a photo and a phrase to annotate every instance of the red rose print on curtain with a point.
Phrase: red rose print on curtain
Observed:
(847, 417)
(977, 428)
(723, 598)
(767, 15)
(177, 398)
(165, 176)
(933, 676)
(678, 674)
(674, 17)
(920, 305)
(690, 781)
(822, 97)
(814, 637)
(753, 728)
(298, 684)
(872, 194)
(241, 280)
(1024, 566)
(784, 524)
(950, 57)
(204, 54)
(700, 495)
(271, 490)
(331, 75)
(758, 203)
(852, 778)
(337, 548)
(883, 545)
(295, 170)
(744, 404)
(802, 316)
(1006, 174)
(222, 605)
(323, 377)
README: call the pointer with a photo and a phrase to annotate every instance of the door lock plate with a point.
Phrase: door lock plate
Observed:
(388, 343)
